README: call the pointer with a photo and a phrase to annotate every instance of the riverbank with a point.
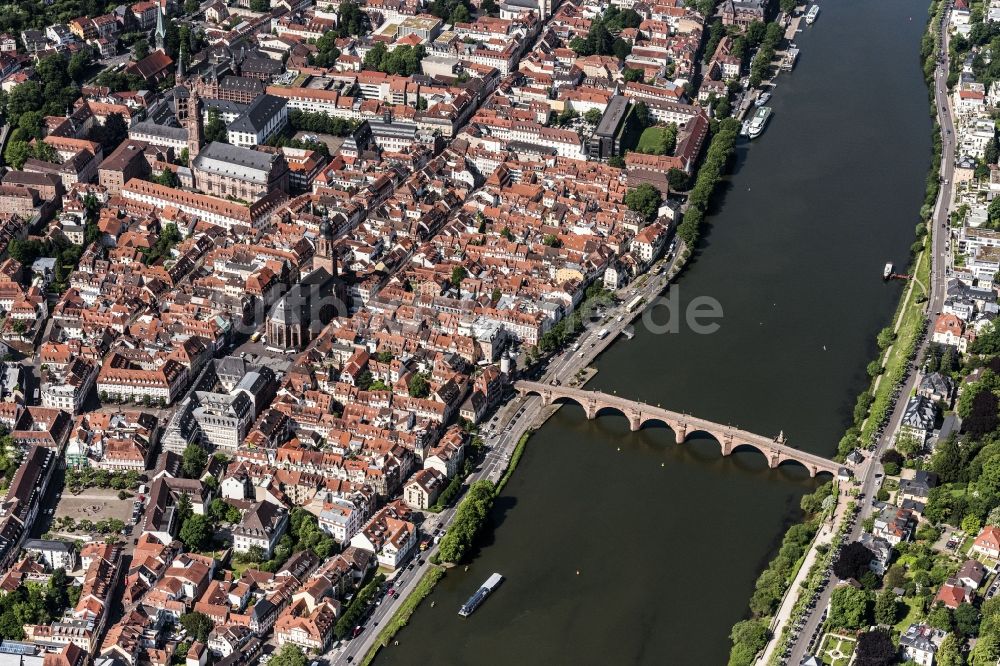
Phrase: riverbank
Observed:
(514, 459)
(897, 347)
(402, 615)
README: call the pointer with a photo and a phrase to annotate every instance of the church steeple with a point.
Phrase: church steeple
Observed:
(161, 30)
(179, 78)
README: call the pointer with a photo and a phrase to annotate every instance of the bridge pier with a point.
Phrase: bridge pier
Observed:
(727, 445)
(591, 410)
(635, 421)
(680, 433)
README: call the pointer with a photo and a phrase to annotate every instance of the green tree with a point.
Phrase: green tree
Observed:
(886, 608)
(848, 608)
(111, 133)
(215, 128)
(217, 509)
(469, 519)
(260, 5)
(895, 577)
(966, 619)
(288, 655)
(630, 75)
(950, 652)
(593, 116)
(940, 617)
(677, 179)
(418, 386)
(874, 648)
(198, 625)
(749, 637)
(459, 15)
(17, 153)
(140, 50)
(948, 461)
(908, 444)
(645, 200)
(196, 532)
(193, 461)
(971, 524)
(167, 177)
(885, 338)
(458, 273)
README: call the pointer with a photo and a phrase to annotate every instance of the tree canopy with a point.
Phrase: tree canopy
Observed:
(469, 519)
(603, 39)
(402, 60)
(875, 648)
(645, 200)
(848, 608)
(198, 625)
(288, 655)
(193, 460)
(853, 561)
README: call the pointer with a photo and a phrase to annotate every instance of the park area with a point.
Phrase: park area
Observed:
(836, 650)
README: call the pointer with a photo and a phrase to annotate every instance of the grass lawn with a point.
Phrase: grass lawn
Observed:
(913, 615)
(651, 140)
(836, 650)
(906, 338)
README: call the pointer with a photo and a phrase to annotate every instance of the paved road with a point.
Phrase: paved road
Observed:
(940, 267)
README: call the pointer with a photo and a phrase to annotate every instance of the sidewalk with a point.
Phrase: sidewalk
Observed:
(825, 535)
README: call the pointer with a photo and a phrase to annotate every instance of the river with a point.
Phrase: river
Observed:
(622, 548)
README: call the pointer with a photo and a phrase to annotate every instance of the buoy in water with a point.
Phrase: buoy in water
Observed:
(466, 568)
(577, 572)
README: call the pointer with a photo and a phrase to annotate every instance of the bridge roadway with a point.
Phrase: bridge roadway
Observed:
(773, 448)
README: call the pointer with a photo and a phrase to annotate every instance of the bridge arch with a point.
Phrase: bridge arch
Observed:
(686, 433)
(813, 470)
(740, 445)
(601, 409)
(652, 421)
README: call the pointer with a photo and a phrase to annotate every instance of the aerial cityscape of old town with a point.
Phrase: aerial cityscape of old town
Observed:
(332, 332)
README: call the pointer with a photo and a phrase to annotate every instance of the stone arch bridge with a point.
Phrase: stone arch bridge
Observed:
(773, 448)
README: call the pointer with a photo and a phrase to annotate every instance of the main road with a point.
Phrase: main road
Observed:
(940, 268)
